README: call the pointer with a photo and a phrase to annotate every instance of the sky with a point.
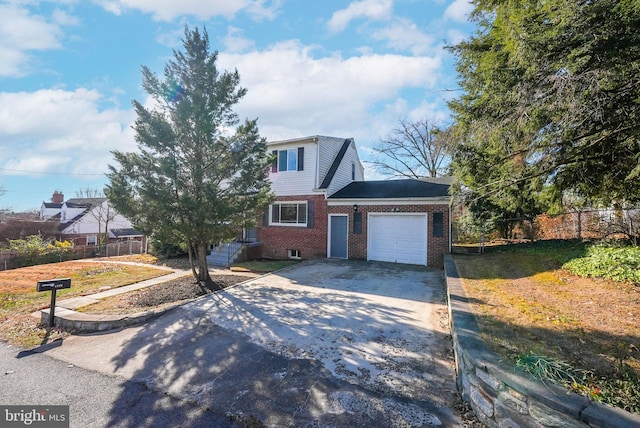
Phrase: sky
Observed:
(70, 69)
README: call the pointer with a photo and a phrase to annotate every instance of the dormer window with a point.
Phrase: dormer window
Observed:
(288, 160)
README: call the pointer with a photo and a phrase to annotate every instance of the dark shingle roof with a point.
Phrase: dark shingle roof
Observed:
(123, 233)
(52, 205)
(392, 189)
(84, 202)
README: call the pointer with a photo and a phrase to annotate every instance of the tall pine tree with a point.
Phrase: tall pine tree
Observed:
(192, 181)
(551, 98)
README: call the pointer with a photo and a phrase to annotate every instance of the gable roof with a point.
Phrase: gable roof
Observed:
(336, 163)
(393, 189)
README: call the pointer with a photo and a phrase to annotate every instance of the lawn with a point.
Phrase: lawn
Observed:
(19, 298)
(533, 310)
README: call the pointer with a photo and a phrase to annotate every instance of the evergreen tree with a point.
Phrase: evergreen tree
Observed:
(192, 181)
(551, 98)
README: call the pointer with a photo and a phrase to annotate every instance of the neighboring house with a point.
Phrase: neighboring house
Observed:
(324, 208)
(84, 220)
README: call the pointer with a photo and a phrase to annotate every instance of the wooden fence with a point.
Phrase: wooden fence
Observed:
(11, 260)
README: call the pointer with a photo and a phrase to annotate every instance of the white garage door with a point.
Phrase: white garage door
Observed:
(398, 238)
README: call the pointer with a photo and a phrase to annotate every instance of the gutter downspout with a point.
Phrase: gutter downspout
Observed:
(317, 178)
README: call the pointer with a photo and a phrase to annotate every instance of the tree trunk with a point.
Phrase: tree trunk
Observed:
(203, 268)
(192, 263)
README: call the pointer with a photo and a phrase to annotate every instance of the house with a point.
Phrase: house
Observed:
(324, 208)
(85, 220)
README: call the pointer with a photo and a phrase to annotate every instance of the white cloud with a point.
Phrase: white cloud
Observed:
(168, 10)
(371, 9)
(296, 94)
(403, 34)
(234, 41)
(455, 36)
(61, 131)
(21, 32)
(459, 10)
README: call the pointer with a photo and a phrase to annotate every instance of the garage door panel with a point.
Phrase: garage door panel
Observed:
(398, 238)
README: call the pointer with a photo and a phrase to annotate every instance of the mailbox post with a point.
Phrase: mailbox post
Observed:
(53, 285)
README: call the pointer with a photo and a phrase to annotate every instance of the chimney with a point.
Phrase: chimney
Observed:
(57, 197)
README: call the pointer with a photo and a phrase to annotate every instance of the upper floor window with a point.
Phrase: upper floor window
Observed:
(353, 171)
(288, 160)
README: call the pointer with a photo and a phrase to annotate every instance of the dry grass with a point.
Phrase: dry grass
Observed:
(526, 304)
(19, 298)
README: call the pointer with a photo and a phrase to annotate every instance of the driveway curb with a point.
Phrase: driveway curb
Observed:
(501, 397)
(79, 322)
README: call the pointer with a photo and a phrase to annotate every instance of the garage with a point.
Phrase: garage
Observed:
(398, 238)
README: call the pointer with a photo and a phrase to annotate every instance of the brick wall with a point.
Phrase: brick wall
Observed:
(312, 242)
(436, 246)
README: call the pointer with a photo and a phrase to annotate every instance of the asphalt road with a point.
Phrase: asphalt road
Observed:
(94, 399)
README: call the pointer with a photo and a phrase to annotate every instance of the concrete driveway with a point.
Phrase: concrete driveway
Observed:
(324, 343)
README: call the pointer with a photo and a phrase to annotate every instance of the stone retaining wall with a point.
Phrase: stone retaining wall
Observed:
(88, 323)
(501, 397)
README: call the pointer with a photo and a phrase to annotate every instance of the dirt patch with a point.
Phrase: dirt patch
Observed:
(160, 296)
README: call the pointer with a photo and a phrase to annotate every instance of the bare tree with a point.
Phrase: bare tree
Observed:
(89, 193)
(100, 210)
(415, 150)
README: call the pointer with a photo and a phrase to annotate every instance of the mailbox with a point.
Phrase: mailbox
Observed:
(53, 284)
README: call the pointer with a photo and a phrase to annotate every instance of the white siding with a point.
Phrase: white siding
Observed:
(287, 183)
(343, 174)
(47, 213)
(68, 214)
(328, 148)
(89, 222)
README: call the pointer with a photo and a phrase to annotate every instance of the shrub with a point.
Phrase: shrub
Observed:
(608, 262)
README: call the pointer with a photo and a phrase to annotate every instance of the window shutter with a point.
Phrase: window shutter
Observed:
(265, 217)
(438, 225)
(357, 223)
(274, 163)
(300, 158)
(309, 214)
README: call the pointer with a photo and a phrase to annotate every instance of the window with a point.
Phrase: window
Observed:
(288, 160)
(294, 254)
(289, 214)
(438, 225)
(353, 171)
(92, 240)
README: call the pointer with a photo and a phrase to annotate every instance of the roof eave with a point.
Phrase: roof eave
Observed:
(421, 200)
